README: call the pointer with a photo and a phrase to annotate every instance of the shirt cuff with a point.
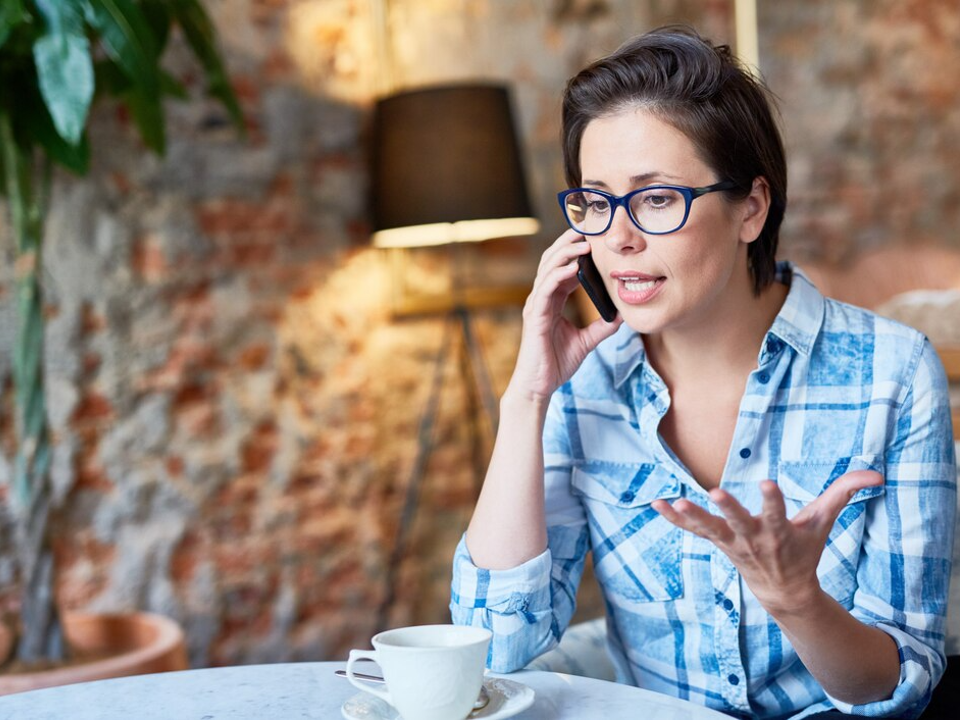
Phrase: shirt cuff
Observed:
(917, 679)
(525, 587)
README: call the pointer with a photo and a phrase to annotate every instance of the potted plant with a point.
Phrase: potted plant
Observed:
(57, 57)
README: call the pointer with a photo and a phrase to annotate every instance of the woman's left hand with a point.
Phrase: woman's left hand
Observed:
(776, 557)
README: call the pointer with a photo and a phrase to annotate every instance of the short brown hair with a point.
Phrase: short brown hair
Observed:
(703, 91)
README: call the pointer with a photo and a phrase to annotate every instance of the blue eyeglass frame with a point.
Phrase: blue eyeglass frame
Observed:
(689, 195)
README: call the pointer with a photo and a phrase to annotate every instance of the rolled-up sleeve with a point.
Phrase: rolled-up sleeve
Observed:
(528, 607)
(904, 571)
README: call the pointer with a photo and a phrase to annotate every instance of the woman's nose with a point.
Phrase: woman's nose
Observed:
(623, 236)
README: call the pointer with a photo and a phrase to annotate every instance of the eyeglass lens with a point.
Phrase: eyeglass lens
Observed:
(658, 210)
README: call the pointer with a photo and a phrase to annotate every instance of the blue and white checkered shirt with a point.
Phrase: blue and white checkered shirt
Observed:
(836, 388)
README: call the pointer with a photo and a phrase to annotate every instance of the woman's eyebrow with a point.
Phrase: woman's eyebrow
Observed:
(634, 179)
(595, 183)
(644, 177)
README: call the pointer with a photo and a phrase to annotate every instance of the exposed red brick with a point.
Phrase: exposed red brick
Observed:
(148, 260)
(246, 89)
(225, 216)
(83, 567)
(199, 420)
(254, 357)
(195, 294)
(174, 465)
(191, 394)
(259, 449)
(303, 482)
(91, 321)
(91, 362)
(121, 181)
(242, 491)
(278, 65)
(92, 477)
(188, 356)
(282, 184)
(93, 407)
(359, 446)
(185, 560)
(250, 255)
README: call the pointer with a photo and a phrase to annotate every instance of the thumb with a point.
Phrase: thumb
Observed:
(599, 330)
(830, 504)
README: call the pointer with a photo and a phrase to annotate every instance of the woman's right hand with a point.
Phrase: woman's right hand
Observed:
(551, 347)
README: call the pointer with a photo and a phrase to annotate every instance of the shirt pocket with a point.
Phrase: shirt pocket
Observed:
(636, 553)
(801, 482)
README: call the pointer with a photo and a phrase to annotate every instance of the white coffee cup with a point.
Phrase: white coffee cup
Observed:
(432, 672)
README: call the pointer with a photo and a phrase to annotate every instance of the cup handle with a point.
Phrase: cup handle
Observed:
(365, 686)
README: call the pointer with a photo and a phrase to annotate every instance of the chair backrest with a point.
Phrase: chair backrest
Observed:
(950, 357)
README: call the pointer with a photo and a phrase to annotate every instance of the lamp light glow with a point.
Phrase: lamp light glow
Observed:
(446, 233)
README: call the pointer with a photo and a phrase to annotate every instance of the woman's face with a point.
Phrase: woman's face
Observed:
(695, 276)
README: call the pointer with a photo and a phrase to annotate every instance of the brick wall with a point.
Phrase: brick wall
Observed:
(871, 114)
(235, 412)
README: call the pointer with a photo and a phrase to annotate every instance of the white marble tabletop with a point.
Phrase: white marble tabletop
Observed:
(311, 691)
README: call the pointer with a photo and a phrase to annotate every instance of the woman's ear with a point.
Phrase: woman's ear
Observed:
(755, 209)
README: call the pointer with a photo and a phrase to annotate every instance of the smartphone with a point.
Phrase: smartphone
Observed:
(589, 277)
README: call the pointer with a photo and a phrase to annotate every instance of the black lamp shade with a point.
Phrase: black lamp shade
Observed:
(446, 155)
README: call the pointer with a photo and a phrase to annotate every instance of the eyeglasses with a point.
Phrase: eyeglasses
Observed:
(657, 210)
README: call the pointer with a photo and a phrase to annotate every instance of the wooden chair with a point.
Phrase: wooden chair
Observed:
(950, 357)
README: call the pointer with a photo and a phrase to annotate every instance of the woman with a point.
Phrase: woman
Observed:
(765, 477)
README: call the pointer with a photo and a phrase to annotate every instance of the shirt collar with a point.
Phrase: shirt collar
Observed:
(628, 353)
(799, 320)
(797, 324)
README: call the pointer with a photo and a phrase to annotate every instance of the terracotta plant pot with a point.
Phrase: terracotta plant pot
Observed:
(126, 644)
(6, 642)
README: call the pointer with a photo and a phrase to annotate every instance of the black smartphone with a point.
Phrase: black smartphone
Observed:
(589, 277)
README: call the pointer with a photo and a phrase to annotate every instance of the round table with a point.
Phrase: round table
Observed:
(312, 691)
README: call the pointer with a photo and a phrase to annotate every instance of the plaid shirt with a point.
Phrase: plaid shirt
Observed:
(836, 388)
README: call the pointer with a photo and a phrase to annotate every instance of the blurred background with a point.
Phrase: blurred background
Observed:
(236, 405)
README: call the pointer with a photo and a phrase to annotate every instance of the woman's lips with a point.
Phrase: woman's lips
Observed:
(638, 289)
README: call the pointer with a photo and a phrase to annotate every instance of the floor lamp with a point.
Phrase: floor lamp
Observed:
(446, 170)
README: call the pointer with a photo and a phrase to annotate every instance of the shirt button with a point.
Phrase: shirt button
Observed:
(628, 496)
(728, 604)
(733, 679)
(745, 453)
(764, 378)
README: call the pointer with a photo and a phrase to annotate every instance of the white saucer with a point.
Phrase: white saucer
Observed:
(507, 698)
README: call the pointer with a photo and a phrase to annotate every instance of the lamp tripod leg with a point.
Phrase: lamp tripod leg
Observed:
(425, 443)
(482, 407)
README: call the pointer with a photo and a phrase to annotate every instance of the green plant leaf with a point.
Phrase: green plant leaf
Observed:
(35, 122)
(158, 17)
(12, 14)
(147, 113)
(64, 67)
(202, 39)
(172, 87)
(110, 78)
(127, 39)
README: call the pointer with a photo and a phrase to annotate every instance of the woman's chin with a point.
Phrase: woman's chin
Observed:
(642, 320)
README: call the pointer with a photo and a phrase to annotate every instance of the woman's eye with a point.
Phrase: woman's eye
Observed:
(599, 206)
(658, 201)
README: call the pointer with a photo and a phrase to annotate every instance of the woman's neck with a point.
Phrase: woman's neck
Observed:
(725, 343)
